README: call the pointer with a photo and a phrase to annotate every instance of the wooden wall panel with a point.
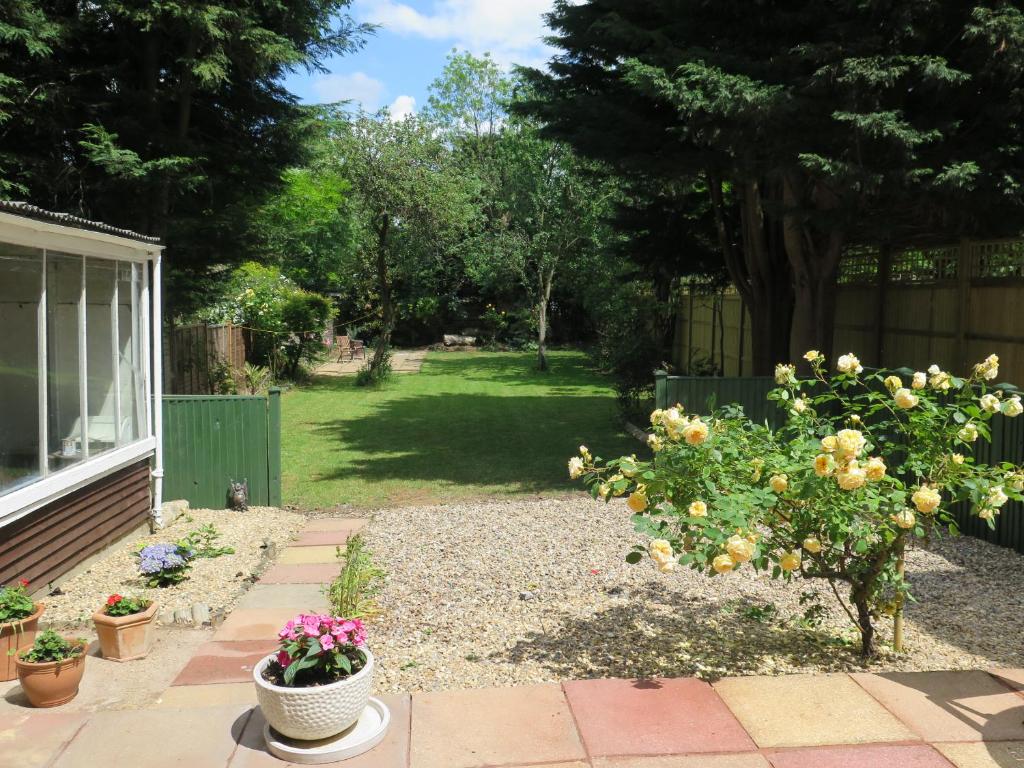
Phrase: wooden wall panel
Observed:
(47, 543)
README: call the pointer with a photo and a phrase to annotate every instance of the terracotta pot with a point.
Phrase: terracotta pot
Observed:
(13, 636)
(123, 638)
(51, 683)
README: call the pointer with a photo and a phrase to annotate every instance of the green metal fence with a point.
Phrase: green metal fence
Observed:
(211, 440)
(699, 394)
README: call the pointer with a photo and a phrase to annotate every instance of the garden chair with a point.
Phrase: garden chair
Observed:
(352, 347)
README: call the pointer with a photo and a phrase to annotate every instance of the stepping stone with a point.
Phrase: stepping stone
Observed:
(308, 555)
(744, 760)
(157, 738)
(322, 538)
(353, 524)
(317, 573)
(217, 695)
(865, 756)
(991, 754)
(301, 598)
(30, 738)
(225, 662)
(809, 710)
(493, 726)
(950, 706)
(253, 624)
(393, 752)
(653, 717)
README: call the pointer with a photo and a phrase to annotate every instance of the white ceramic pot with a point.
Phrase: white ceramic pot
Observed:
(316, 712)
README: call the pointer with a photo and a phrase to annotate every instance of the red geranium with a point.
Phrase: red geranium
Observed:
(23, 582)
(114, 599)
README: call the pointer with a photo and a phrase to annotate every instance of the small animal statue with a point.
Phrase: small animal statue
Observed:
(238, 495)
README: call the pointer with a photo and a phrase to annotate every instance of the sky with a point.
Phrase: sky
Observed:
(398, 63)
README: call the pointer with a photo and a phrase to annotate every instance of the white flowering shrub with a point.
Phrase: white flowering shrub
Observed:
(864, 465)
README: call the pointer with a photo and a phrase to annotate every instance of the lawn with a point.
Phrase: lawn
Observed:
(468, 425)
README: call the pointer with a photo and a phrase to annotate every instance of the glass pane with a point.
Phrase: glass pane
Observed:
(20, 288)
(63, 391)
(100, 345)
(129, 285)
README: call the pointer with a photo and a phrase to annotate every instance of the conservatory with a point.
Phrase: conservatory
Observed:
(79, 368)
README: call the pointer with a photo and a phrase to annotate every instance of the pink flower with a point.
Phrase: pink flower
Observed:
(327, 641)
(283, 658)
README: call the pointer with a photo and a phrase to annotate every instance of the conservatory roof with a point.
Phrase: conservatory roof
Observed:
(66, 219)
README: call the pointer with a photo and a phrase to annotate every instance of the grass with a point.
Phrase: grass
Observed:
(468, 425)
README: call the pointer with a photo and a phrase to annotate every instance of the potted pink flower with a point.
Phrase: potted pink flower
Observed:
(319, 682)
(125, 627)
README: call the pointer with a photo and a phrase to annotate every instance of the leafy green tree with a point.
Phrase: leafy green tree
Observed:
(891, 123)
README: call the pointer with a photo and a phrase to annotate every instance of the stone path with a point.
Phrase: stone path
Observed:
(402, 361)
(207, 718)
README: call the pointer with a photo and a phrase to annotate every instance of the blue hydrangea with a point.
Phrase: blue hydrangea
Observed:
(159, 557)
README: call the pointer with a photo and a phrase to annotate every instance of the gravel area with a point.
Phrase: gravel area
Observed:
(217, 581)
(505, 593)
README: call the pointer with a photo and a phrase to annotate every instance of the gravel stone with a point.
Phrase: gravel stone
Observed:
(215, 582)
(453, 613)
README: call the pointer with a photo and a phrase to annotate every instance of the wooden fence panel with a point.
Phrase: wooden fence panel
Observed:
(193, 352)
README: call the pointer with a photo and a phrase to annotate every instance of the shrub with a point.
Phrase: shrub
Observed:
(256, 377)
(370, 376)
(202, 542)
(118, 605)
(15, 603)
(318, 649)
(165, 565)
(864, 465)
(49, 646)
(352, 592)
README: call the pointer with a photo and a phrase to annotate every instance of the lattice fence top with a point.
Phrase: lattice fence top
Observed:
(988, 260)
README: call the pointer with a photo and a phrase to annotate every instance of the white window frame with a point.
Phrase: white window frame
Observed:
(44, 236)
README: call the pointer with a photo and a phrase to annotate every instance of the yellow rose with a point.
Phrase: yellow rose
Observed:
(575, 467)
(875, 469)
(604, 490)
(940, 380)
(698, 509)
(812, 545)
(696, 432)
(849, 363)
(968, 433)
(1012, 406)
(849, 443)
(1016, 481)
(905, 398)
(723, 564)
(987, 514)
(655, 443)
(637, 501)
(920, 380)
(904, 518)
(799, 405)
(785, 374)
(851, 476)
(790, 561)
(829, 444)
(958, 458)
(811, 355)
(989, 403)
(739, 549)
(779, 483)
(988, 368)
(823, 465)
(892, 383)
(656, 417)
(996, 496)
(661, 553)
(584, 452)
(926, 499)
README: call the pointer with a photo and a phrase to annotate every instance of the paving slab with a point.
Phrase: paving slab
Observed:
(322, 538)
(300, 574)
(991, 754)
(224, 662)
(393, 752)
(36, 738)
(493, 726)
(253, 624)
(950, 706)
(653, 717)
(809, 710)
(216, 695)
(305, 555)
(354, 524)
(299, 597)
(863, 756)
(746, 760)
(1011, 677)
(164, 738)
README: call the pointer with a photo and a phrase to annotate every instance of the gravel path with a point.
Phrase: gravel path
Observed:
(217, 581)
(505, 593)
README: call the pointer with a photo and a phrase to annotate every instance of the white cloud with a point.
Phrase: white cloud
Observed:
(402, 107)
(511, 30)
(357, 87)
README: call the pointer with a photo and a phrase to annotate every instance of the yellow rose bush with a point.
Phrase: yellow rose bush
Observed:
(863, 468)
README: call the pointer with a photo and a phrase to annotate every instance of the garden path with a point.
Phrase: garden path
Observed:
(207, 718)
(402, 361)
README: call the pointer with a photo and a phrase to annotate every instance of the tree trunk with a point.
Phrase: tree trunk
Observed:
(546, 280)
(867, 629)
(387, 311)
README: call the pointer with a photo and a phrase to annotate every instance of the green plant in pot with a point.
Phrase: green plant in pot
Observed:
(50, 670)
(19, 618)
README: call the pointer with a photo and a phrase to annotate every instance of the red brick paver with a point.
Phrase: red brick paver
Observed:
(224, 662)
(861, 756)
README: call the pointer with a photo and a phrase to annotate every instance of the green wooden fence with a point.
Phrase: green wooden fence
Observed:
(700, 394)
(211, 440)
